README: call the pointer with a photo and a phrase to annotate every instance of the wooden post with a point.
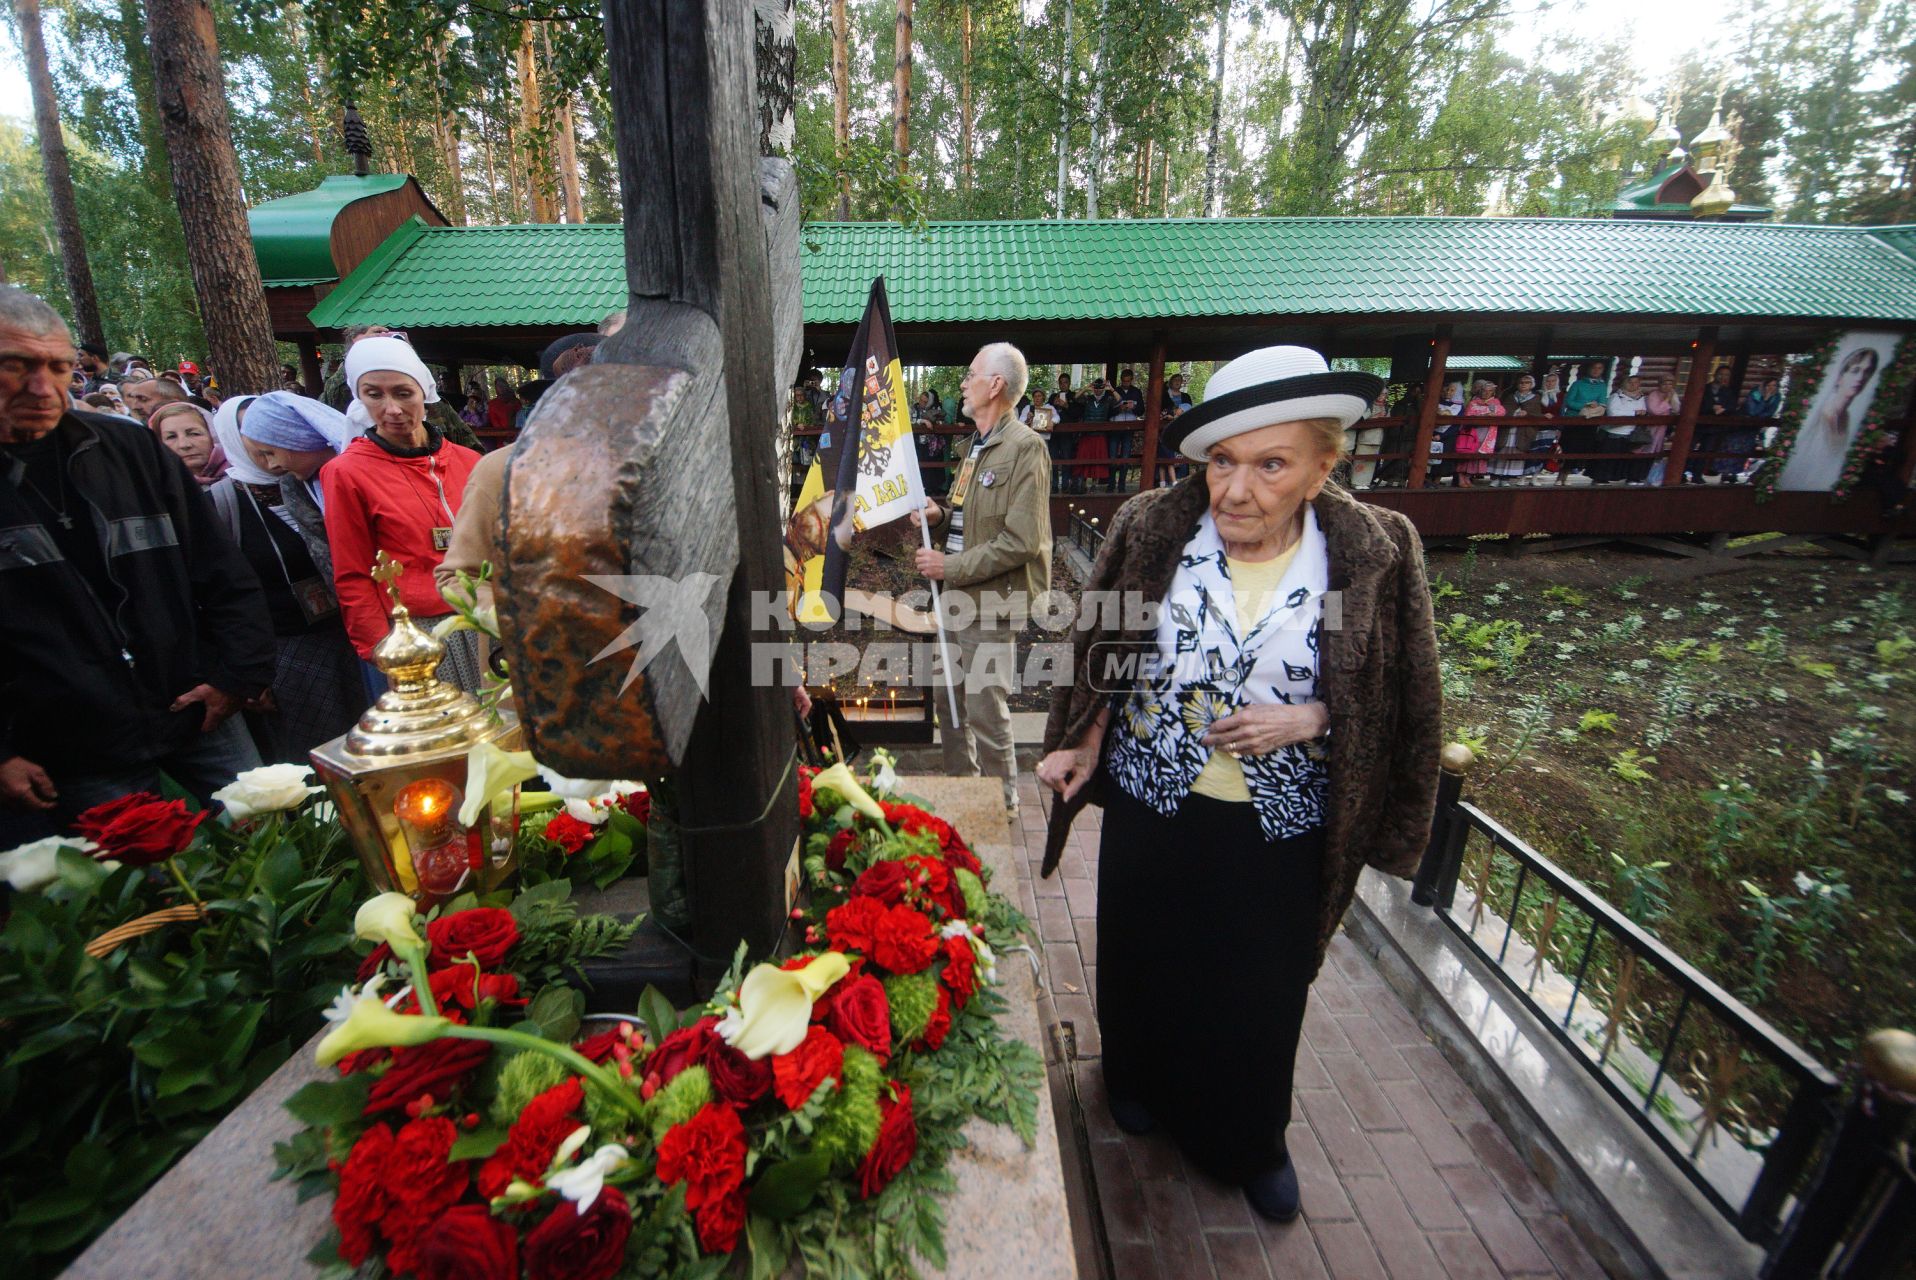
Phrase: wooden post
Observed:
(1427, 417)
(309, 376)
(1739, 370)
(1153, 414)
(1685, 433)
(1540, 358)
(668, 436)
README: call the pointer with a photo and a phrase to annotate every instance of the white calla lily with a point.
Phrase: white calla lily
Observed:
(775, 1005)
(271, 788)
(362, 1021)
(387, 918)
(839, 779)
(489, 772)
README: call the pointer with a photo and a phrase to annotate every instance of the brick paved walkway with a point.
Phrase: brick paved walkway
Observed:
(1404, 1175)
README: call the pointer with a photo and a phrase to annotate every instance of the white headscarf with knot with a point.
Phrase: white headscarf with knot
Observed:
(384, 355)
(226, 430)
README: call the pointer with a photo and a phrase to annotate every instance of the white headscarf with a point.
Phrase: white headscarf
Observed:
(385, 355)
(239, 465)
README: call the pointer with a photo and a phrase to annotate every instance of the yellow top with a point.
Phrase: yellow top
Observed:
(1252, 582)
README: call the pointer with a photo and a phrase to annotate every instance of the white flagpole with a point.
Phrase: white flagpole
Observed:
(938, 613)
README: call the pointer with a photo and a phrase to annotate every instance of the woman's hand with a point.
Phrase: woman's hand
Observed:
(1066, 771)
(1262, 729)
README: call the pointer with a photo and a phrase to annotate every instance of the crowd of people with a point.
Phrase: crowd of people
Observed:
(186, 577)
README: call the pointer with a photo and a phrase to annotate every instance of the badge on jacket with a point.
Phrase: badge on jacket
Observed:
(988, 479)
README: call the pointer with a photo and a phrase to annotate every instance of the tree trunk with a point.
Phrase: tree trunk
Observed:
(568, 147)
(537, 157)
(901, 87)
(1211, 155)
(315, 129)
(1164, 197)
(206, 186)
(492, 172)
(446, 131)
(842, 105)
(155, 167)
(1064, 108)
(1097, 111)
(59, 177)
(964, 100)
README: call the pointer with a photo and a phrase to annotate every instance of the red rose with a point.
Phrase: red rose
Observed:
(960, 972)
(861, 1015)
(885, 881)
(720, 1222)
(851, 927)
(467, 1243)
(569, 833)
(417, 1174)
(529, 1146)
(683, 1048)
(736, 1078)
(839, 848)
(896, 1144)
(370, 965)
(800, 1072)
(638, 804)
(575, 1245)
(363, 1201)
(940, 885)
(139, 830)
(904, 941)
(598, 1048)
(484, 933)
(940, 1024)
(805, 793)
(454, 987)
(706, 1153)
(434, 1067)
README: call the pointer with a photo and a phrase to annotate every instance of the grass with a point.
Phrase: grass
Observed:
(1724, 757)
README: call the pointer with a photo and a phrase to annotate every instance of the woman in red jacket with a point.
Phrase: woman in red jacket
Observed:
(395, 489)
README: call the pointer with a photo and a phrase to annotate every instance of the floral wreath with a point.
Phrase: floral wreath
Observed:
(1892, 396)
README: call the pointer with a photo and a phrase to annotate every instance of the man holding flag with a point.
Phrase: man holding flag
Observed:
(996, 532)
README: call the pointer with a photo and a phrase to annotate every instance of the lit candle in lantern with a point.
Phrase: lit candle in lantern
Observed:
(428, 813)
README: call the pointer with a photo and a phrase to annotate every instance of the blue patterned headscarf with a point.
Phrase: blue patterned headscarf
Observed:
(284, 420)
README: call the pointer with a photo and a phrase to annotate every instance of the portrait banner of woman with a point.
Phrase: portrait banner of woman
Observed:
(1844, 390)
(1282, 736)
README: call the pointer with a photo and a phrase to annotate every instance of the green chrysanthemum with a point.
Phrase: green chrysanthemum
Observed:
(850, 1123)
(913, 998)
(524, 1077)
(679, 1100)
(977, 900)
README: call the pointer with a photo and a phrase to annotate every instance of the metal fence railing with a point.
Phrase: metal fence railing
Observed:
(1085, 532)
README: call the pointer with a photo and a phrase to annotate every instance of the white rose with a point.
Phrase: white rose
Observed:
(32, 867)
(270, 788)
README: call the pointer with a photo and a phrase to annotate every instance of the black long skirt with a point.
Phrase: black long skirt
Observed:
(1207, 939)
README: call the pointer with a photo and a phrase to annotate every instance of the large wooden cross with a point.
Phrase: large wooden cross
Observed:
(647, 481)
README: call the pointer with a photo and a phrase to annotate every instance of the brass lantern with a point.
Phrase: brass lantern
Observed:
(398, 778)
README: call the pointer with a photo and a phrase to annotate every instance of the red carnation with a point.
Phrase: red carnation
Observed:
(840, 847)
(961, 970)
(736, 1078)
(897, 1142)
(904, 941)
(484, 933)
(706, 1153)
(417, 1173)
(139, 830)
(431, 1068)
(886, 881)
(799, 1073)
(940, 885)
(805, 792)
(852, 927)
(720, 1223)
(580, 1245)
(861, 1015)
(533, 1139)
(467, 1243)
(939, 1025)
(363, 1199)
(569, 833)
(455, 987)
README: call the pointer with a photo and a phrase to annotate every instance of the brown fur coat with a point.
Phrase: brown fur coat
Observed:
(1377, 672)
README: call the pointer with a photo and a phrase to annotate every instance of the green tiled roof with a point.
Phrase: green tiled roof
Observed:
(1641, 198)
(476, 277)
(983, 272)
(293, 235)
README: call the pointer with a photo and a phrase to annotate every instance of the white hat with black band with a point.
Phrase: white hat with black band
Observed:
(1265, 387)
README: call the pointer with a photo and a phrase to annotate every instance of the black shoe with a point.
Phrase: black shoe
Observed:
(1273, 1193)
(1132, 1116)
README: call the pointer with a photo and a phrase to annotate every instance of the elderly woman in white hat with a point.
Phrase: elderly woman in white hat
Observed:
(396, 489)
(1284, 737)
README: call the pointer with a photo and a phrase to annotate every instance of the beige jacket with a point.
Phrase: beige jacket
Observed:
(475, 530)
(1007, 520)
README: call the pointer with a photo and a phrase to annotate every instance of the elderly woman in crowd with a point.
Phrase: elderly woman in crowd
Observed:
(1478, 437)
(317, 693)
(1249, 774)
(187, 432)
(292, 437)
(1525, 401)
(396, 489)
(1663, 401)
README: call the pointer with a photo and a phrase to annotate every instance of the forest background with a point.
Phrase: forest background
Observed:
(986, 109)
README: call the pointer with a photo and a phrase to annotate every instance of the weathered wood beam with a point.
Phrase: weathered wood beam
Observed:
(1685, 433)
(1153, 414)
(1427, 413)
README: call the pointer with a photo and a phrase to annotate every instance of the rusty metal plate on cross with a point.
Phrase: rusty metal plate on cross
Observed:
(620, 539)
